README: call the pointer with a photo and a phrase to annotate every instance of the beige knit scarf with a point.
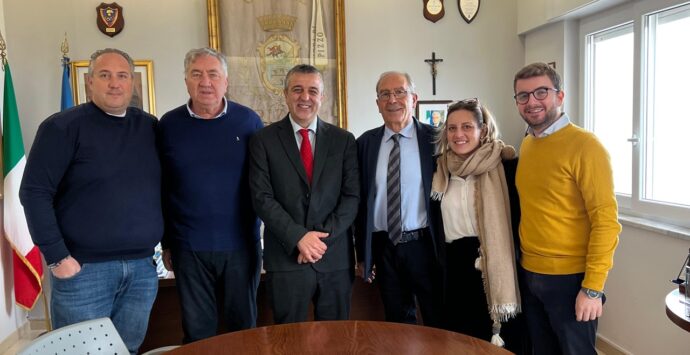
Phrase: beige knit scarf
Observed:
(496, 253)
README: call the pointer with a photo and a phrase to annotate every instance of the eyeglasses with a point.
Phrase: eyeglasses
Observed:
(539, 94)
(398, 94)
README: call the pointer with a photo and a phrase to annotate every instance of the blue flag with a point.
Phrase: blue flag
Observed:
(66, 101)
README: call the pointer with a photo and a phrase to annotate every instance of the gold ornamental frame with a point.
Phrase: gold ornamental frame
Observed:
(143, 84)
(215, 36)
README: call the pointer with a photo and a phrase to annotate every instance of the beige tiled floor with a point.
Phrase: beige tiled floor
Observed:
(22, 343)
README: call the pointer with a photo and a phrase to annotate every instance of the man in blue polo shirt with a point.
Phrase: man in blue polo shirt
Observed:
(211, 232)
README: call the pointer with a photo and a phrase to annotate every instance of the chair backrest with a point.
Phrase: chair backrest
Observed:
(96, 336)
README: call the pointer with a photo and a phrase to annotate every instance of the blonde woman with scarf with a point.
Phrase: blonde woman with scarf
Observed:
(472, 195)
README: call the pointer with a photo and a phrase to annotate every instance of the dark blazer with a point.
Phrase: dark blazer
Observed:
(368, 145)
(289, 207)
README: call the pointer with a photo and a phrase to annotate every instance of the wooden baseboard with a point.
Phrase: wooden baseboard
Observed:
(22, 332)
(610, 348)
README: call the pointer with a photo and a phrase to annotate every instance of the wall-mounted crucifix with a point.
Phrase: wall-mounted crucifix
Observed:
(433, 62)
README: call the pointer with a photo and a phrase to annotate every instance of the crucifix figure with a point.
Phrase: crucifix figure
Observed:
(433, 62)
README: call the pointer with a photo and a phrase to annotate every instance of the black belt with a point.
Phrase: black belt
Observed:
(410, 236)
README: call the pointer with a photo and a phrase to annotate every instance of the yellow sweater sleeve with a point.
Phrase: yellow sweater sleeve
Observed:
(569, 213)
(594, 178)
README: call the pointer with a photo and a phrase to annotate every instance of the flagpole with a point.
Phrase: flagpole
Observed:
(46, 314)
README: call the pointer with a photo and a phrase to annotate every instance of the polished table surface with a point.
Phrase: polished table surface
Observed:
(675, 309)
(341, 337)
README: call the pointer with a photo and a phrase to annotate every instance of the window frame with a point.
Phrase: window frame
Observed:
(639, 15)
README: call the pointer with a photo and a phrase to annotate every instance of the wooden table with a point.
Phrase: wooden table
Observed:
(675, 309)
(341, 337)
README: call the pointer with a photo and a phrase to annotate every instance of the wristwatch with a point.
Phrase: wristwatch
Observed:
(57, 263)
(592, 293)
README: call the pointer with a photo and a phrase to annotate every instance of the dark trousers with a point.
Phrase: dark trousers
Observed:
(406, 271)
(466, 309)
(291, 292)
(200, 276)
(549, 305)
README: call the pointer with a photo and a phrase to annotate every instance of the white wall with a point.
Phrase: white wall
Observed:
(556, 42)
(160, 30)
(634, 315)
(479, 59)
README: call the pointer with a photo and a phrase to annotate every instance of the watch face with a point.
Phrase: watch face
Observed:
(593, 294)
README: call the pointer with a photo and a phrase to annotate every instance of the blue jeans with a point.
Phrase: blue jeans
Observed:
(123, 290)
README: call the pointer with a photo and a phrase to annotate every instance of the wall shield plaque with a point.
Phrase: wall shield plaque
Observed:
(468, 9)
(434, 10)
(110, 19)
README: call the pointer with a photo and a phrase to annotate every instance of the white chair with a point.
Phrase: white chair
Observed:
(96, 336)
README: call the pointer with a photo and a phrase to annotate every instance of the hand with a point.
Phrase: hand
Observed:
(359, 271)
(167, 259)
(68, 268)
(311, 247)
(586, 308)
(301, 259)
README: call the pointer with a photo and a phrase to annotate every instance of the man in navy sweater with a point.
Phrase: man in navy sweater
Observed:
(91, 195)
(211, 232)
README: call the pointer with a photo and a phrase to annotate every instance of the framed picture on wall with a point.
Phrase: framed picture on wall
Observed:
(432, 112)
(143, 95)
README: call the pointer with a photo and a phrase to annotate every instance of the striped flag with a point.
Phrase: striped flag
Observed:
(28, 269)
(66, 100)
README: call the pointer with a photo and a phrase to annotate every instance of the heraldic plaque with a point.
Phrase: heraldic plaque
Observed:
(434, 10)
(109, 19)
(468, 9)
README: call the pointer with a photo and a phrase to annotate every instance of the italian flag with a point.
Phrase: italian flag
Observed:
(28, 268)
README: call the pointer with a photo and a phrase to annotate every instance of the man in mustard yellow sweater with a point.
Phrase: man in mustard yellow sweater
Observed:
(569, 226)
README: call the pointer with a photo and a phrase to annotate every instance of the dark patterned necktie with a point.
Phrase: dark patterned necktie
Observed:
(393, 189)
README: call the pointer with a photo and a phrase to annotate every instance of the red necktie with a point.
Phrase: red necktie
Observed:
(306, 153)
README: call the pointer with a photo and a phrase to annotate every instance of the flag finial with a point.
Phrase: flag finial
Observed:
(64, 48)
(3, 51)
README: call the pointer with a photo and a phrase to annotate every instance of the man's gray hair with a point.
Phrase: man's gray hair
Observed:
(194, 54)
(410, 84)
(303, 69)
(101, 52)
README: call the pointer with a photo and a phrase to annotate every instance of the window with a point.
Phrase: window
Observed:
(665, 90)
(637, 109)
(610, 98)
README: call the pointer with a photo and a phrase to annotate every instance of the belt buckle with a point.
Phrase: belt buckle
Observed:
(409, 236)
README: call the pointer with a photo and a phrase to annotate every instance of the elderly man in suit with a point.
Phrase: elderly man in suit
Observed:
(394, 238)
(304, 183)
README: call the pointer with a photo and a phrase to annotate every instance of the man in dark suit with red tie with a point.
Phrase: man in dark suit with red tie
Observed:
(396, 243)
(304, 182)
